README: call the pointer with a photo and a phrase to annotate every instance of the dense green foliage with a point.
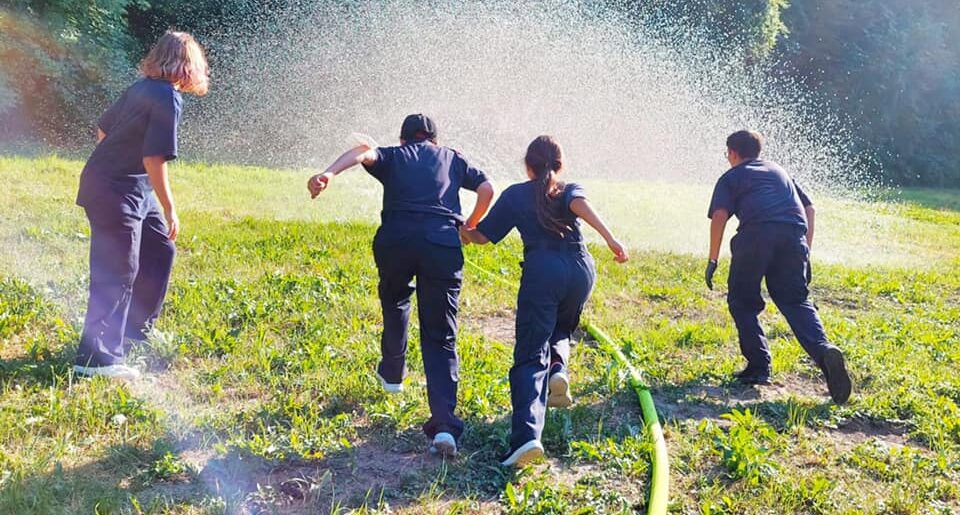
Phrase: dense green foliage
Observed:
(62, 61)
(894, 68)
(891, 68)
(259, 397)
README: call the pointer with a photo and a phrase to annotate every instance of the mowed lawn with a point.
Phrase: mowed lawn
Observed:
(259, 396)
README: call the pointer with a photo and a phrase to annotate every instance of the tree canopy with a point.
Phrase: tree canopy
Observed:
(891, 68)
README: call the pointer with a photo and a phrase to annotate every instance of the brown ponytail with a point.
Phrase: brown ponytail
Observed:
(544, 158)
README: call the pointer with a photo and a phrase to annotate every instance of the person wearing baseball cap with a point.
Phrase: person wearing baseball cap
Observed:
(419, 239)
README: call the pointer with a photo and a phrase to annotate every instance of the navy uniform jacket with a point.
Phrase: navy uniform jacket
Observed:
(758, 191)
(141, 123)
(421, 190)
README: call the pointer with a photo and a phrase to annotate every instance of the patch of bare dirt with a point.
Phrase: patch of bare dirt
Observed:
(855, 431)
(697, 402)
(352, 478)
(498, 327)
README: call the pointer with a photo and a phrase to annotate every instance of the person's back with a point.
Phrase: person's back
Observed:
(520, 210)
(423, 177)
(421, 191)
(758, 191)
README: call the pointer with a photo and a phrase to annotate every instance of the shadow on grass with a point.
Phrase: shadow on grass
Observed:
(122, 478)
(45, 369)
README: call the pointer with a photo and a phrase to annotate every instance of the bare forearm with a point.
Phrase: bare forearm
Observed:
(585, 212)
(159, 178)
(484, 198)
(718, 223)
(100, 135)
(348, 160)
(811, 213)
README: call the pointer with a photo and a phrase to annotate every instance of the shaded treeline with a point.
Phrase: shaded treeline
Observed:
(892, 68)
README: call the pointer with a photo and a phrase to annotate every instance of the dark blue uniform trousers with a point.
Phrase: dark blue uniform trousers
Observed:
(778, 253)
(553, 291)
(402, 253)
(130, 263)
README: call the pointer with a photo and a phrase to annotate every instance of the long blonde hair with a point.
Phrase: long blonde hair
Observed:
(178, 58)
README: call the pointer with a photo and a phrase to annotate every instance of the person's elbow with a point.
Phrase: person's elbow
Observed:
(486, 189)
(154, 163)
(720, 214)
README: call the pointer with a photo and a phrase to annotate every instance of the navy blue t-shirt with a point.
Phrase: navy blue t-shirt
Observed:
(421, 177)
(759, 191)
(517, 207)
(141, 123)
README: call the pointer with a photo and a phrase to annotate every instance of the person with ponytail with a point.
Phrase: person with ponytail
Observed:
(558, 276)
(123, 188)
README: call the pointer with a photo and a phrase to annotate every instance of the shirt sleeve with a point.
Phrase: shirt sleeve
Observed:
(500, 220)
(804, 199)
(160, 138)
(472, 177)
(722, 197)
(571, 192)
(379, 168)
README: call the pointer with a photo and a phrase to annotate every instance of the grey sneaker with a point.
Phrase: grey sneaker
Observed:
(444, 444)
(559, 389)
(389, 387)
(524, 454)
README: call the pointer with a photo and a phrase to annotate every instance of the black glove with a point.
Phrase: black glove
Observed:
(708, 275)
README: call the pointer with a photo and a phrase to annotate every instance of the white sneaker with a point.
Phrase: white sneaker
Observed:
(559, 390)
(525, 454)
(389, 387)
(121, 372)
(444, 444)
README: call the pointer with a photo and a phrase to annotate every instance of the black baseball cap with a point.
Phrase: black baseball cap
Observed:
(417, 124)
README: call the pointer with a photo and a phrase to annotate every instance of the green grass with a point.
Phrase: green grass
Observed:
(259, 396)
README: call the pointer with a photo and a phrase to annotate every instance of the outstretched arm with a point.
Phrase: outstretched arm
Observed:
(362, 154)
(484, 198)
(582, 208)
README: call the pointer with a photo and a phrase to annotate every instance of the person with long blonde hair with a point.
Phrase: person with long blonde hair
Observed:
(123, 187)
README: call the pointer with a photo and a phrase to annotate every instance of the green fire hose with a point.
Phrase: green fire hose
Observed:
(660, 470)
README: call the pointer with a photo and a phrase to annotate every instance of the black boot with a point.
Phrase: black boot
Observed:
(835, 372)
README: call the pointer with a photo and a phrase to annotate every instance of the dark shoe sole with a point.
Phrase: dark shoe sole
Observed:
(753, 372)
(838, 380)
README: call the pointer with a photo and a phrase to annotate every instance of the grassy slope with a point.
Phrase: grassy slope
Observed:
(261, 398)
